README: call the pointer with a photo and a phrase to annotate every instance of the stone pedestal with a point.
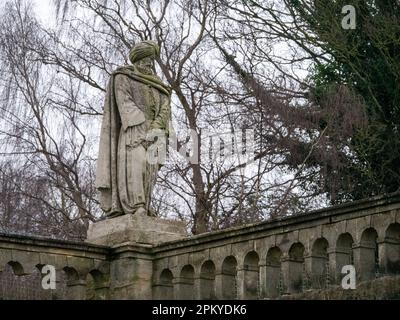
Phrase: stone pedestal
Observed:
(131, 236)
(140, 229)
(131, 273)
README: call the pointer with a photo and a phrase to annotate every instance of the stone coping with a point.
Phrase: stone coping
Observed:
(329, 212)
(52, 243)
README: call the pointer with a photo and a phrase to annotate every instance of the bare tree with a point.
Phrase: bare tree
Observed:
(41, 132)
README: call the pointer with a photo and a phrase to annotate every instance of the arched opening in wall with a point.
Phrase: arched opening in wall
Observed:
(228, 278)
(75, 284)
(207, 281)
(165, 287)
(17, 268)
(343, 254)
(186, 283)
(296, 268)
(369, 255)
(71, 274)
(392, 248)
(96, 286)
(251, 276)
(273, 272)
(319, 264)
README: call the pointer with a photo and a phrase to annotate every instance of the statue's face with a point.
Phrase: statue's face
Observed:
(146, 65)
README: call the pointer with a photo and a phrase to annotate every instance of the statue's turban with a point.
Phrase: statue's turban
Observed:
(143, 50)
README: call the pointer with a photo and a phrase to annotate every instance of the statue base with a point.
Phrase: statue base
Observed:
(137, 228)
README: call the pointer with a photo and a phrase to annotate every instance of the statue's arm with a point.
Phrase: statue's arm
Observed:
(130, 114)
(162, 119)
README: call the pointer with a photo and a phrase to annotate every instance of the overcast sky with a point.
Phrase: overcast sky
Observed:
(44, 10)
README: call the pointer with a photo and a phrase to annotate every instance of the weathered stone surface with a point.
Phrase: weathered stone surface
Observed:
(138, 228)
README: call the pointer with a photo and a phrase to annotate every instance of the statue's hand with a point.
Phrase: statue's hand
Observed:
(149, 140)
(146, 143)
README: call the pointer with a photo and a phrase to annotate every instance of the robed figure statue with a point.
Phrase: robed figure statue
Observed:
(136, 102)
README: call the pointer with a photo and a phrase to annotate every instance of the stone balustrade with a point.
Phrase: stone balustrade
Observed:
(258, 261)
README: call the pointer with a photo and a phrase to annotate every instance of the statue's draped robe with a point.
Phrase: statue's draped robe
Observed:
(134, 104)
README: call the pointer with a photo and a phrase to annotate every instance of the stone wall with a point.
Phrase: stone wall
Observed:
(280, 258)
(77, 264)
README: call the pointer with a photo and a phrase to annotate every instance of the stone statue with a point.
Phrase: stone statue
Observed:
(136, 102)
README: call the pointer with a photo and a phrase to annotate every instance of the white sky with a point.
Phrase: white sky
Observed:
(45, 11)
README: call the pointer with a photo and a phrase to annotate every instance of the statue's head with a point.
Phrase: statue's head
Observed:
(142, 55)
